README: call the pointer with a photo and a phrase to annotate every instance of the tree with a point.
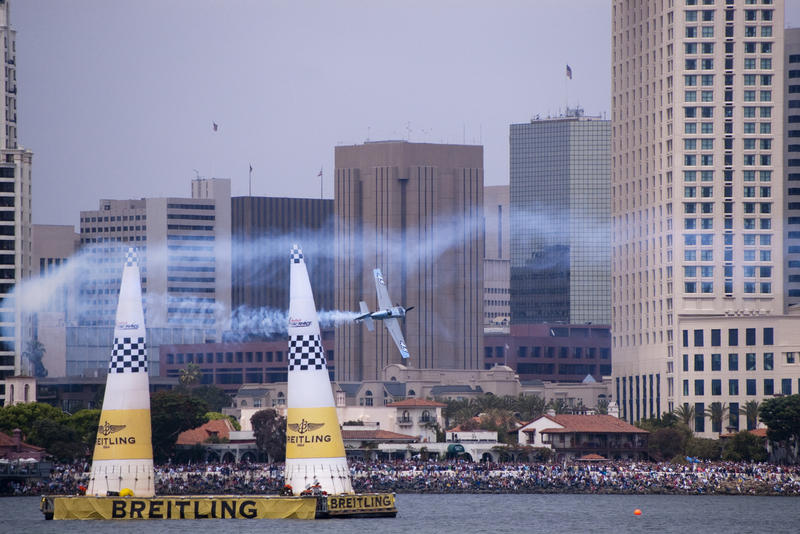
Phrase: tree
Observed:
(602, 407)
(559, 406)
(782, 417)
(171, 413)
(750, 412)
(707, 449)
(270, 430)
(23, 416)
(745, 447)
(666, 443)
(58, 439)
(34, 352)
(216, 398)
(716, 412)
(85, 423)
(191, 375)
(529, 407)
(685, 413)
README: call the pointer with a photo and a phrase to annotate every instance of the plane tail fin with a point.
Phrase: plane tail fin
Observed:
(365, 316)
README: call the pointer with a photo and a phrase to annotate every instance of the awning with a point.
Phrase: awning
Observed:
(455, 448)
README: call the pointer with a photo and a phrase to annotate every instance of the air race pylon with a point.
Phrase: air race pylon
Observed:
(123, 451)
(314, 448)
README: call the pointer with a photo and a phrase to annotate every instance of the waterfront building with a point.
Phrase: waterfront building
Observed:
(702, 316)
(560, 220)
(414, 210)
(15, 213)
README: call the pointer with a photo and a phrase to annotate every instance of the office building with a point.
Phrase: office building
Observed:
(184, 246)
(414, 210)
(496, 257)
(15, 214)
(263, 230)
(700, 307)
(560, 220)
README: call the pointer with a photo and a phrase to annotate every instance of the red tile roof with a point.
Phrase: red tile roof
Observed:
(220, 427)
(416, 403)
(598, 424)
(378, 435)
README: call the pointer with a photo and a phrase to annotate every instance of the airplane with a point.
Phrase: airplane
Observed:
(387, 313)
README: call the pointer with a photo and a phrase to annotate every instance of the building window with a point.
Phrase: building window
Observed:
(716, 362)
(769, 361)
(699, 387)
(733, 386)
(733, 362)
(750, 361)
(698, 362)
(751, 386)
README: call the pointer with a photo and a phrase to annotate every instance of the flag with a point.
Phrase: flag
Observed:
(569, 72)
(320, 173)
(214, 126)
(251, 168)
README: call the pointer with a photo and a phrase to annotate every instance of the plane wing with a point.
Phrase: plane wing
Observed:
(394, 328)
(384, 302)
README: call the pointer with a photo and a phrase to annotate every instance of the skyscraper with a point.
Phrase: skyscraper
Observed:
(700, 315)
(415, 211)
(560, 220)
(15, 213)
(792, 155)
(496, 257)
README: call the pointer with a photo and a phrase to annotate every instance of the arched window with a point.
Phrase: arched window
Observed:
(411, 393)
(426, 416)
(368, 398)
(25, 392)
(406, 417)
(243, 403)
(11, 394)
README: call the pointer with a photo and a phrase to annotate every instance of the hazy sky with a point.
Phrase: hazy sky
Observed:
(117, 98)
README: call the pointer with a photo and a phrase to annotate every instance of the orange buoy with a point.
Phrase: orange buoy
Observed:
(637, 512)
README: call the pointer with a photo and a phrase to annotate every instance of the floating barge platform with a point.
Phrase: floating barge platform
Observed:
(220, 507)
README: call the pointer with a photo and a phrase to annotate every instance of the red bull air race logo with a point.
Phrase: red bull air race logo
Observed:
(294, 322)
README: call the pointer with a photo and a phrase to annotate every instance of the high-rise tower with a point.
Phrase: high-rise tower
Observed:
(560, 220)
(413, 210)
(700, 315)
(15, 212)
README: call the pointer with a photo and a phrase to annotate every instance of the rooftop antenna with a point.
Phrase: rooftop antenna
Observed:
(197, 174)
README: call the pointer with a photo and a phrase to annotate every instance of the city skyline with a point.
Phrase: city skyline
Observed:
(122, 97)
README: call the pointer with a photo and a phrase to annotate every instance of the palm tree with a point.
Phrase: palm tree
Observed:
(716, 412)
(685, 413)
(602, 406)
(529, 407)
(190, 375)
(558, 406)
(750, 411)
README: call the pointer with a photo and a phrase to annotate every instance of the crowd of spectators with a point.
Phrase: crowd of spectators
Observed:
(419, 476)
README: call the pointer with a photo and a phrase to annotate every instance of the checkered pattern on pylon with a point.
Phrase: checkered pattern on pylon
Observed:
(296, 254)
(128, 355)
(305, 352)
(131, 258)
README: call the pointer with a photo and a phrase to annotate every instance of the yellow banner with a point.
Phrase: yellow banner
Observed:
(348, 504)
(124, 435)
(184, 508)
(313, 433)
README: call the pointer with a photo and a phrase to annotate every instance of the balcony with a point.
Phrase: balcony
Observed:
(405, 421)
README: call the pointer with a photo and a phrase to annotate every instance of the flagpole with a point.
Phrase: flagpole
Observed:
(321, 178)
(250, 183)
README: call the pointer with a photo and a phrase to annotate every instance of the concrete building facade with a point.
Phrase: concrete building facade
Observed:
(415, 211)
(560, 206)
(700, 308)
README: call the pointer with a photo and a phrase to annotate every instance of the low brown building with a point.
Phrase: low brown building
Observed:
(574, 436)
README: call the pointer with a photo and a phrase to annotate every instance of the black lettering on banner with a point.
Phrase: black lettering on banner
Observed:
(169, 510)
(137, 507)
(117, 509)
(155, 510)
(229, 507)
(197, 514)
(213, 509)
(247, 509)
(182, 505)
